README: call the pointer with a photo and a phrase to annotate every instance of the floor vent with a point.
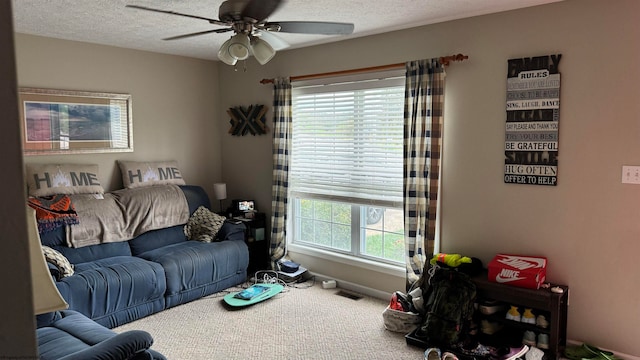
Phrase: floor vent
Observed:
(349, 295)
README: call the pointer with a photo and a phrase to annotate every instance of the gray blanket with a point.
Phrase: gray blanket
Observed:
(125, 214)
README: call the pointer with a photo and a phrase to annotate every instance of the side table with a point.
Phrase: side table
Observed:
(257, 240)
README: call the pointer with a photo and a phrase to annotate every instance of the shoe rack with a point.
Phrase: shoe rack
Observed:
(552, 304)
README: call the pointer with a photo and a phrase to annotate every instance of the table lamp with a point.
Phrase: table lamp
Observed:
(46, 297)
(220, 191)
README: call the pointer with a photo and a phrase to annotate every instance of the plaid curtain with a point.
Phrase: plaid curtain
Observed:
(281, 146)
(423, 112)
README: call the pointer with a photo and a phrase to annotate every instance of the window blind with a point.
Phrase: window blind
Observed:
(347, 141)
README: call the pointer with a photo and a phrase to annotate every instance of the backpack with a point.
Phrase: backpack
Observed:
(449, 297)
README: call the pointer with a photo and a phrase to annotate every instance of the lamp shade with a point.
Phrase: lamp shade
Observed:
(220, 190)
(223, 54)
(262, 51)
(46, 297)
(239, 46)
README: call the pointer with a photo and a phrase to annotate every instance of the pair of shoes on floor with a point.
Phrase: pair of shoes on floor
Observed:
(515, 353)
(586, 351)
(529, 338)
(435, 354)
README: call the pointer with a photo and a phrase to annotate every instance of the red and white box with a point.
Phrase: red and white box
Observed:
(518, 270)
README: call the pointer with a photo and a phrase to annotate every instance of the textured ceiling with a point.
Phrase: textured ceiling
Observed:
(109, 22)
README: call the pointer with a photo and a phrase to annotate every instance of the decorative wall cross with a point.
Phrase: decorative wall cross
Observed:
(250, 120)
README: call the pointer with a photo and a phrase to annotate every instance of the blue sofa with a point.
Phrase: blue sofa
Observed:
(69, 335)
(116, 283)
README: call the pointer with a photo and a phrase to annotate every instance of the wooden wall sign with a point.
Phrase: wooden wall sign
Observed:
(250, 120)
(533, 115)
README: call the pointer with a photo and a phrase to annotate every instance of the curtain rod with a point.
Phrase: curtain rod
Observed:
(445, 60)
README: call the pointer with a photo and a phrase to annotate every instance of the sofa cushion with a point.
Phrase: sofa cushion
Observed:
(58, 260)
(93, 252)
(192, 265)
(51, 179)
(196, 197)
(148, 173)
(155, 239)
(115, 290)
(203, 225)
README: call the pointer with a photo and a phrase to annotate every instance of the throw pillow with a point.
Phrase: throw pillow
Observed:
(58, 260)
(52, 179)
(141, 173)
(203, 225)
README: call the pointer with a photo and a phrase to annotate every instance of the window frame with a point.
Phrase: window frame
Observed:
(358, 223)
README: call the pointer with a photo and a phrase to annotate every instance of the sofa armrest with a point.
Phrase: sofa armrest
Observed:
(124, 346)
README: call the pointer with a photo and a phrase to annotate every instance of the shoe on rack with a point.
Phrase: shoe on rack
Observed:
(528, 317)
(490, 327)
(529, 338)
(513, 313)
(432, 354)
(543, 341)
(515, 353)
(542, 322)
(449, 356)
(488, 307)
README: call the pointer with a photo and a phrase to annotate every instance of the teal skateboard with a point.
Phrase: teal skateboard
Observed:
(253, 294)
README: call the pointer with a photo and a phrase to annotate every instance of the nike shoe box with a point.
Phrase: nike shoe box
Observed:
(518, 270)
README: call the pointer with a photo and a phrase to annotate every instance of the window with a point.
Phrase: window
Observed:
(346, 171)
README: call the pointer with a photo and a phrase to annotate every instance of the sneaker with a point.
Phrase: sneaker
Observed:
(488, 307)
(515, 353)
(528, 317)
(529, 338)
(542, 322)
(478, 351)
(432, 354)
(490, 327)
(534, 354)
(513, 313)
(449, 356)
(543, 341)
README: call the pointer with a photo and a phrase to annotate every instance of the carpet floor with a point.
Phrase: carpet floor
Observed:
(305, 321)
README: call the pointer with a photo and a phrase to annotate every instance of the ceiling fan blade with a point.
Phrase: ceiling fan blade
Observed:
(198, 33)
(257, 10)
(276, 42)
(212, 21)
(311, 27)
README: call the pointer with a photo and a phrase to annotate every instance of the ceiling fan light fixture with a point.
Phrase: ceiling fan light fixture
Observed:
(239, 47)
(262, 50)
(224, 56)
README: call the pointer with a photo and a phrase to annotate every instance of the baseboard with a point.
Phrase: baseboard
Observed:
(346, 285)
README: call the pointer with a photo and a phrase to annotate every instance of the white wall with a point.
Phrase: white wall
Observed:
(588, 225)
(174, 102)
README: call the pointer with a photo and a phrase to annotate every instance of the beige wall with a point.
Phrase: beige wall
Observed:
(174, 102)
(588, 226)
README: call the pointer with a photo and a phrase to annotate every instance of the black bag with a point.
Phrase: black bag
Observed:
(449, 297)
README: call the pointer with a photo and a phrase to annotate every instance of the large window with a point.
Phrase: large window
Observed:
(346, 171)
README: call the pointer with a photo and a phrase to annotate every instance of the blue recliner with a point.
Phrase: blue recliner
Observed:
(69, 335)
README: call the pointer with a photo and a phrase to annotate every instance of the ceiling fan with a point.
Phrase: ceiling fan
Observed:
(252, 34)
